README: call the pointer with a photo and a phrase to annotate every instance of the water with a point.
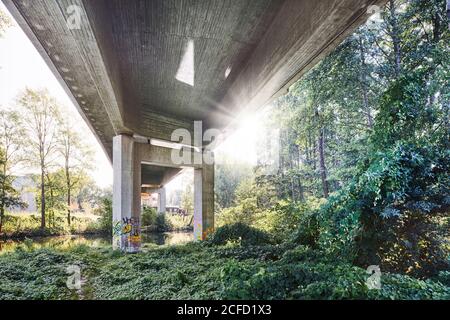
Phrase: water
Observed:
(65, 242)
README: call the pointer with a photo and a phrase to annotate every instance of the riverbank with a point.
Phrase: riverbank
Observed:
(198, 271)
(63, 242)
(20, 226)
(48, 232)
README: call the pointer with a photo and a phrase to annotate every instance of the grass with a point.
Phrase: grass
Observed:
(198, 271)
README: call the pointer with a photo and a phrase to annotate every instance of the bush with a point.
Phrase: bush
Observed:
(163, 224)
(392, 213)
(239, 233)
(444, 278)
(149, 216)
(316, 280)
(106, 216)
(196, 271)
(282, 219)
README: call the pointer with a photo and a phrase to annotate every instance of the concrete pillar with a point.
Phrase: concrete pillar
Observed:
(162, 200)
(203, 201)
(126, 195)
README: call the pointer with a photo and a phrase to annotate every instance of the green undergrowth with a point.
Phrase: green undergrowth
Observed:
(200, 271)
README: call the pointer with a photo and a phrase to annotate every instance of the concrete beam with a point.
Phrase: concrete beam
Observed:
(161, 156)
(301, 34)
(126, 195)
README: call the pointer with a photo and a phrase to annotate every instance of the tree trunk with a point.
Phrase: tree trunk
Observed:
(363, 84)
(323, 169)
(2, 213)
(2, 206)
(314, 159)
(42, 200)
(395, 38)
(68, 191)
(3, 195)
(68, 206)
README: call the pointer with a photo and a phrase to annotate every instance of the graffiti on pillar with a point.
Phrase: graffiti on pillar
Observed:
(207, 232)
(127, 225)
(198, 227)
(127, 234)
(117, 227)
(199, 232)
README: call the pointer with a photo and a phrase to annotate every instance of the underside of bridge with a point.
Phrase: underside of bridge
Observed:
(138, 70)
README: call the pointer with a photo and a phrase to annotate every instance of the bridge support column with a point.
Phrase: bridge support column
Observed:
(203, 201)
(162, 200)
(126, 195)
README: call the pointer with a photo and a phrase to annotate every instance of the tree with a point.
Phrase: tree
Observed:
(40, 113)
(11, 141)
(54, 194)
(77, 159)
(187, 199)
(227, 178)
(8, 195)
(394, 211)
(90, 193)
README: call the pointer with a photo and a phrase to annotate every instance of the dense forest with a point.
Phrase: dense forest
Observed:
(364, 147)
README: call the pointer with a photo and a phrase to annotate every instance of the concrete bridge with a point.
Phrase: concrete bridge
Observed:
(142, 72)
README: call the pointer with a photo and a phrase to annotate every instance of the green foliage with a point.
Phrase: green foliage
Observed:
(106, 216)
(149, 216)
(287, 218)
(36, 274)
(245, 207)
(228, 177)
(239, 233)
(194, 271)
(316, 280)
(390, 213)
(163, 223)
(366, 128)
(187, 199)
(20, 225)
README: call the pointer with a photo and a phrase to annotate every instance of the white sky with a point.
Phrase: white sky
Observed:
(22, 66)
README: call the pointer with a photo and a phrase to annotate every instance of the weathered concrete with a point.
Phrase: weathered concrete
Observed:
(203, 201)
(120, 66)
(130, 160)
(162, 200)
(126, 194)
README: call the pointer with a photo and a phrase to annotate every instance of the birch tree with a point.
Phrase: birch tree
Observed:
(40, 113)
(77, 158)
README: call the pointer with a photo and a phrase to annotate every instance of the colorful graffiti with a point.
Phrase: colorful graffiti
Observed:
(127, 234)
(200, 232)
